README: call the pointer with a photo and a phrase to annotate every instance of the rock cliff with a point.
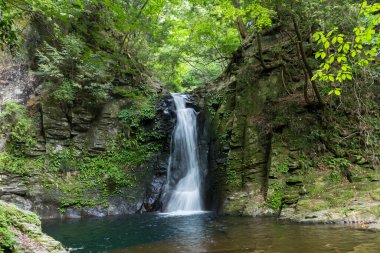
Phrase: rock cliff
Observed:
(87, 161)
(278, 155)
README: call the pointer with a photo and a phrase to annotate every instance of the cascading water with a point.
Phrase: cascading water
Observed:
(184, 180)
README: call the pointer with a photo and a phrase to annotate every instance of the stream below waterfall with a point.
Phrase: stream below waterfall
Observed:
(163, 233)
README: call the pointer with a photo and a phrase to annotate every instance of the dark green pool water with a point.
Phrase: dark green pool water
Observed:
(207, 233)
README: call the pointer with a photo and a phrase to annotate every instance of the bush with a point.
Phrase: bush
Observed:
(73, 73)
(138, 116)
(16, 128)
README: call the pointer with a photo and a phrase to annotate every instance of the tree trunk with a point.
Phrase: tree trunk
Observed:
(260, 50)
(240, 22)
(304, 60)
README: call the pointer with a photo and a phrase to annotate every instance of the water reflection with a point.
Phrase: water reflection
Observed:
(207, 233)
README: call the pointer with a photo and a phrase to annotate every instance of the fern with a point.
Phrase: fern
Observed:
(73, 74)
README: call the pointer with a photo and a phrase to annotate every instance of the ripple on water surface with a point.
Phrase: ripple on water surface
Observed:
(176, 233)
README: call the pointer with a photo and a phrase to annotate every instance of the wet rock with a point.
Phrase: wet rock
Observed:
(374, 226)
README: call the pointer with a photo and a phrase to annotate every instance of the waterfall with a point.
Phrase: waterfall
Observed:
(184, 172)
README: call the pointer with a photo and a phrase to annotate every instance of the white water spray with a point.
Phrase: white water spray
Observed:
(185, 195)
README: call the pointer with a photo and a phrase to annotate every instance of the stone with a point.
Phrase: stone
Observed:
(294, 180)
(26, 228)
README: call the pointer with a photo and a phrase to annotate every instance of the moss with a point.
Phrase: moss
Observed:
(233, 179)
(375, 210)
(338, 196)
(214, 100)
(312, 205)
(20, 165)
(12, 217)
(74, 177)
(275, 195)
(275, 200)
(86, 180)
(16, 225)
(17, 128)
(236, 203)
(375, 194)
(97, 178)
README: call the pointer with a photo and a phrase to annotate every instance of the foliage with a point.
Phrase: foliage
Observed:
(139, 111)
(283, 167)
(73, 73)
(139, 120)
(62, 161)
(8, 34)
(7, 241)
(101, 176)
(11, 216)
(86, 180)
(233, 178)
(339, 168)
(16, 127)
(275, 199)
(214, 102)
(19, 164)
(344, 56)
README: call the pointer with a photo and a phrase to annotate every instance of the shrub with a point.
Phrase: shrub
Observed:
(73, 73)
(16, 128)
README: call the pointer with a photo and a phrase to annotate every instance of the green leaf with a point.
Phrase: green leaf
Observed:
(346, 48)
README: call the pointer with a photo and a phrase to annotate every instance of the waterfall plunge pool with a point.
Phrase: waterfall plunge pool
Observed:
(205, 232)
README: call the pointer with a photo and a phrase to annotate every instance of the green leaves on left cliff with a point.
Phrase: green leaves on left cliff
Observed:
(8, 33)
(74, 73)
(16, 128)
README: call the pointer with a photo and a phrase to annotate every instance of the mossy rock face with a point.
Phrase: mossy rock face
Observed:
(311, 205)
(375, 194)
(294, 180)
(293, 156)
(20, 231)
(247, 204)
(235, 204)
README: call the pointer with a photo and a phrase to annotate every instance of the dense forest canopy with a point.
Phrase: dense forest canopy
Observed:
(185, 43)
